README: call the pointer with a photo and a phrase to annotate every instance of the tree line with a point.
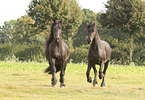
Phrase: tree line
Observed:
(122, 25)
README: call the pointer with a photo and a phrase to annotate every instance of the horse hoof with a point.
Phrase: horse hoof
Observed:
(62, 85)
(89, 80)
(103, 86)
(95, 85)
(54, 85)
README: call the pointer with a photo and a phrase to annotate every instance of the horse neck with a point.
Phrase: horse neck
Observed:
(49, 39)
(96, 39)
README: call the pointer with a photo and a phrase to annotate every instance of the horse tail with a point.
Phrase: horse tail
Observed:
(49, 69)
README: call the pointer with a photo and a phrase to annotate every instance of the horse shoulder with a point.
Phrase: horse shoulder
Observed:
(104, 49)
(106, 45)
(107, 50)
(66, 50)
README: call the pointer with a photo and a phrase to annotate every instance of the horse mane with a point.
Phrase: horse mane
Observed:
(50, 36)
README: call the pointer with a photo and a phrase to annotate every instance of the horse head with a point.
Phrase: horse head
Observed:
(91, 29)
(56, 29)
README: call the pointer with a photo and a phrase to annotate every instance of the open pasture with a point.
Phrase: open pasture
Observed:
(23, 81)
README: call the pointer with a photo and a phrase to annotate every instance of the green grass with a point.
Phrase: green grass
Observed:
(24, 81)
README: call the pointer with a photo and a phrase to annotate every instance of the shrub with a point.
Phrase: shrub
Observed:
(5, 51)
(23, 52)
(30, 52)
(79, 54)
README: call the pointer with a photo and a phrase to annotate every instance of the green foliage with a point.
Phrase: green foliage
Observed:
(5, 51)
(6, 31)
(125, 15)
(121, 46)
(139, 54)
(23, 30)
(22, 52)
(79, 54)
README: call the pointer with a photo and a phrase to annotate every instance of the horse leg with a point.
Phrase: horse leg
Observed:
(101, 75)
(62, 73)
(95, 84)
(104, 72)
(54, 80)
(89, 79)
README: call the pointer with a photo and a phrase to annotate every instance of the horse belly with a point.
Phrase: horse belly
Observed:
(58, 61)
(94, 59)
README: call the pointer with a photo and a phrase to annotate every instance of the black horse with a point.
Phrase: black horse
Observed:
(57, 53)
(99, 53)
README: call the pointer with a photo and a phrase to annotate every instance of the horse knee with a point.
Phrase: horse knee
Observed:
(62, 74)
(100, 71)
(87, 74)
(53, 69)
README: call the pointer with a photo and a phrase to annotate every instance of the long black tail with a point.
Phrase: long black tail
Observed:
(49, 69)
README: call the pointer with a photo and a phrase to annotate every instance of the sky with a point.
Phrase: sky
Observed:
(14, 9)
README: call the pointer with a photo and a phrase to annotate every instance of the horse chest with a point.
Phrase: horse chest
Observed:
(95, 55)
(58, 53)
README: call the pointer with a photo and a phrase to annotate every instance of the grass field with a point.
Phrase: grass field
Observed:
(26, 81)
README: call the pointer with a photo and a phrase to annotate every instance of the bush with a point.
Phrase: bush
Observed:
(22, 52)
(139, 54)
(79, 54)
(33, 52)
(5, 51)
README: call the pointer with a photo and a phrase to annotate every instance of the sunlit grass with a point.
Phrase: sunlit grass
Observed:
(27, 81)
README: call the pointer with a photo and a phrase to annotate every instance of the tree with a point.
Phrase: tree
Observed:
(45, 11)
(24, 31)
(125, 15)
(6, 31)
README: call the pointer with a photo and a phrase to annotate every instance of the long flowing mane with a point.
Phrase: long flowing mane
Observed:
(50, 37)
